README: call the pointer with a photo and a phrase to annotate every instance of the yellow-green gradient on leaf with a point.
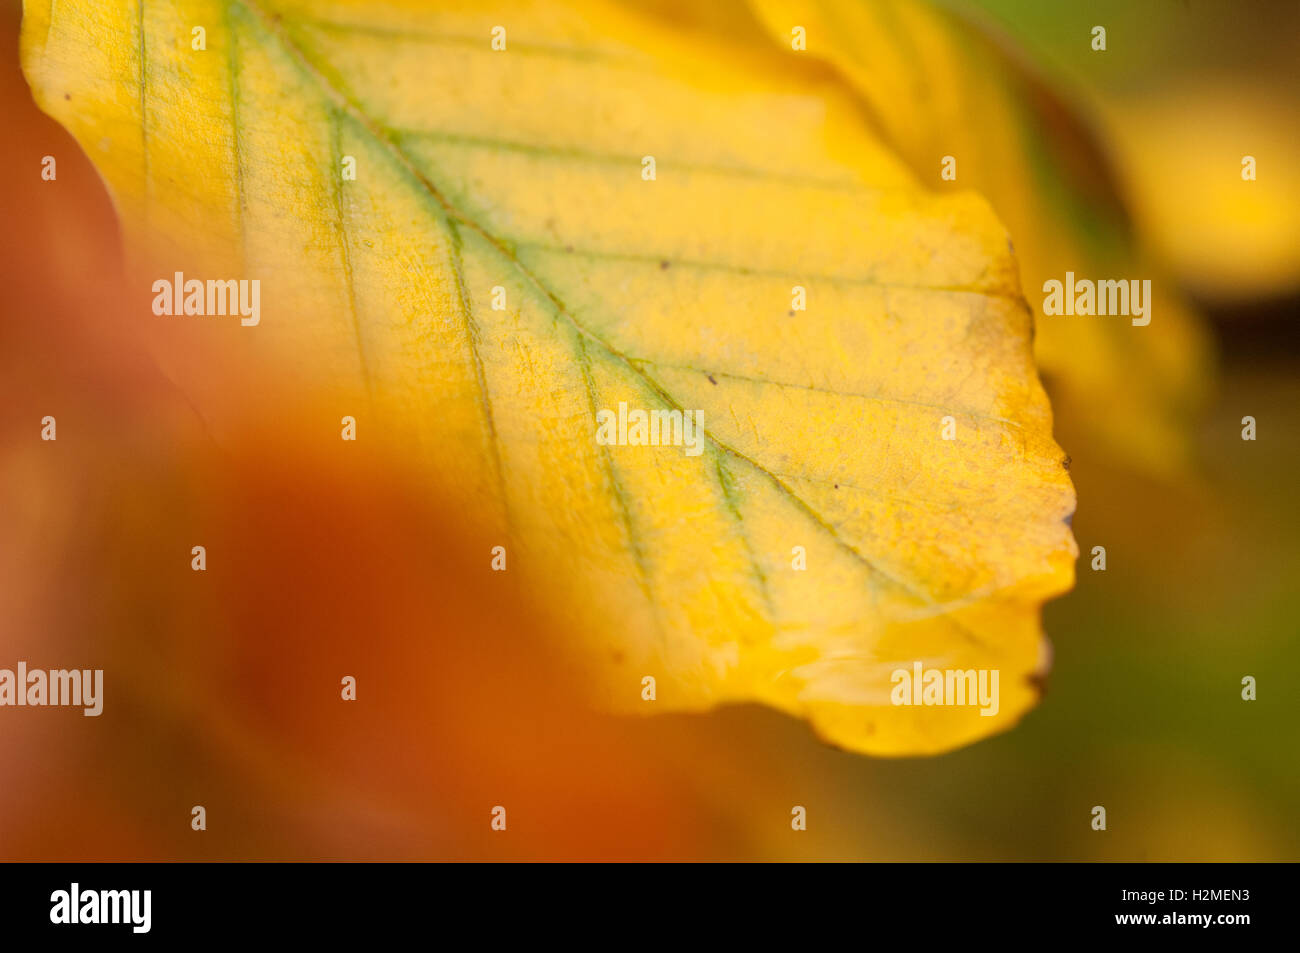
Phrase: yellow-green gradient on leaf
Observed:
(503, 267)
(938, 87)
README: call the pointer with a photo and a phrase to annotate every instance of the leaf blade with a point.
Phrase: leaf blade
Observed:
(823, 426)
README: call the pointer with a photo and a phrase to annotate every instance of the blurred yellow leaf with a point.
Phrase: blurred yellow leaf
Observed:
(938, 87)
(503, 266)
(1179, 112)
(1184, 149)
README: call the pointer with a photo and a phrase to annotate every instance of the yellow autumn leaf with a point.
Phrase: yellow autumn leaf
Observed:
(941, 90)
(476, 231)
(1238, 236)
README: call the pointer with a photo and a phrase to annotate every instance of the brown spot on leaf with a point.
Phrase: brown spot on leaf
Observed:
(1038, 682)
